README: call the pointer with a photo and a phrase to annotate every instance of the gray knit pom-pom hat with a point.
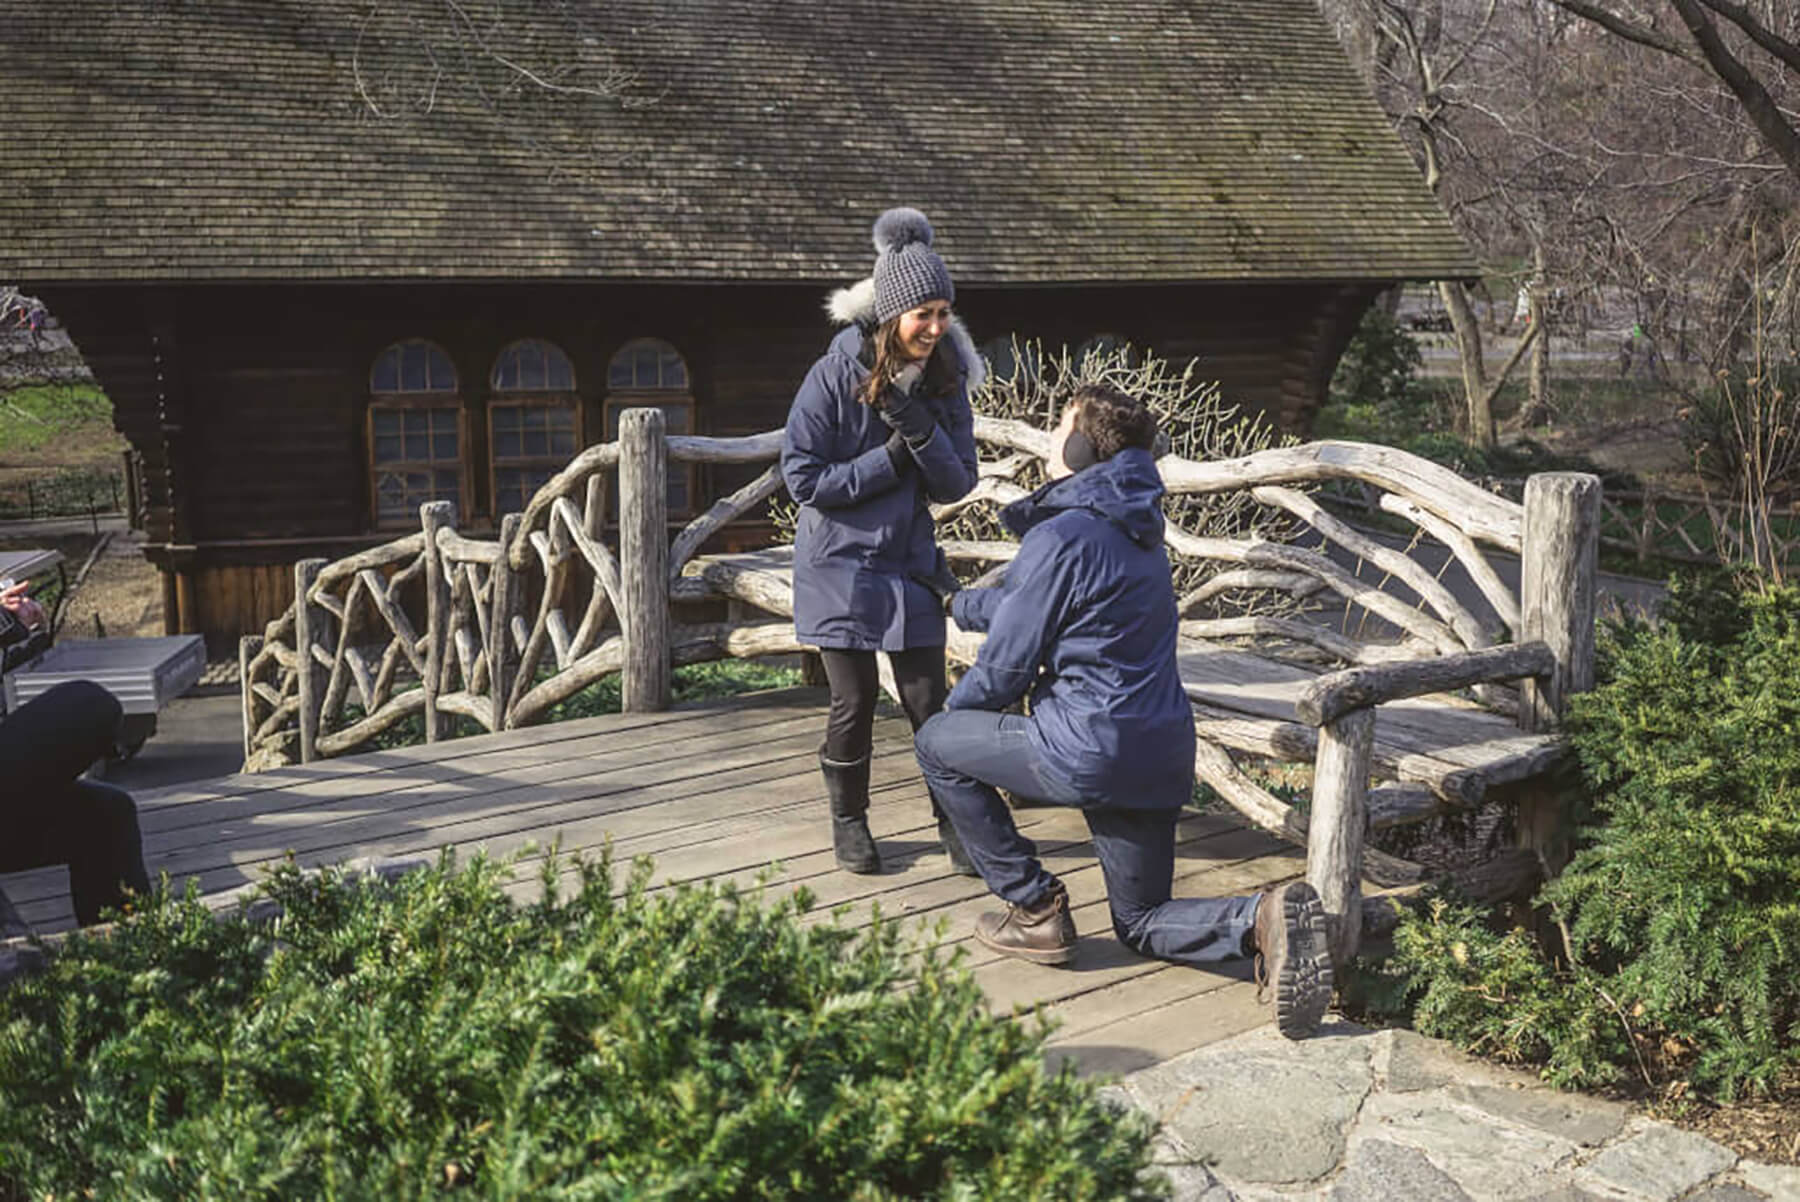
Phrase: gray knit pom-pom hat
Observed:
(907, 271)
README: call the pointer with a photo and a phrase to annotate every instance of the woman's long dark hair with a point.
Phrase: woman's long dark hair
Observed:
(883, 356)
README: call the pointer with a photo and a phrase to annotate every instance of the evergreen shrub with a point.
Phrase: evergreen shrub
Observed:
(1681, 907)
(433, 1036)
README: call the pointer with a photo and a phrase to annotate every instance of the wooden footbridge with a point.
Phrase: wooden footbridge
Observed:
(727, 791)
(1458, 710)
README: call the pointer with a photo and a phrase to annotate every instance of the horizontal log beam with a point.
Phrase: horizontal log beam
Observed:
(454, 546)
(1337, 693)
(1476, 512)
(749, 448)
(1512, 876)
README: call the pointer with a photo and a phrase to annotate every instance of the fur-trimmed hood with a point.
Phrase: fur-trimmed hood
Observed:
(855, 305)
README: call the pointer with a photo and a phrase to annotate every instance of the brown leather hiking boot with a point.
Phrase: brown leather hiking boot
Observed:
(1043, 933)
(1293, 955)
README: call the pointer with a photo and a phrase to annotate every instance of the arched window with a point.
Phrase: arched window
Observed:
(649, 373)
(415, 432)
(533, 420)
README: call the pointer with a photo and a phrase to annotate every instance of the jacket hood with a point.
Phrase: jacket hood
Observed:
(854, 307)
(1125, 490)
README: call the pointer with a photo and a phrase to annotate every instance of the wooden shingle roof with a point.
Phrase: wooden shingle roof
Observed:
(1050, 141)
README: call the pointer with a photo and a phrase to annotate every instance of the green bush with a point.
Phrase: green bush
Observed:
(1498, 995)
(1681, 906)
(1745, 427)
(433, 1036)
(1375, 393)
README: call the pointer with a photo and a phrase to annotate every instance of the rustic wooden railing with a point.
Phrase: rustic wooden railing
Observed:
(1653, 524)
(499, 631)
(438, 624)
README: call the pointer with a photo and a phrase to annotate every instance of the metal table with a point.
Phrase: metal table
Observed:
(145, 674)
(23, 565)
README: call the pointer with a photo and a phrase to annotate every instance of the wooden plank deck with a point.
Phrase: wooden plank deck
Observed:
(719, 792)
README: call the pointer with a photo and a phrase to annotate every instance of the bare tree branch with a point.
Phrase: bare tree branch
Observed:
(1631, 31)
(1487, 22)
(1761, 107)
(1759, 33)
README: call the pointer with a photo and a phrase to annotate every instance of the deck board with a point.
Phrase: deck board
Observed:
(731, 793)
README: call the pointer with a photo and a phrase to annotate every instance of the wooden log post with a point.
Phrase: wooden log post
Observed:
(309, 632)
(1557, 603)
(1340, 818)
(434, 516)
(504, 601)
(249, 647)
(644, 558)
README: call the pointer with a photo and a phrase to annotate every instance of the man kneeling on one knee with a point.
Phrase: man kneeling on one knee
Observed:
(1086, 625)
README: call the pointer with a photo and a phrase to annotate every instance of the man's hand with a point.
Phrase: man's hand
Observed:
(942, 582)
(17, 601)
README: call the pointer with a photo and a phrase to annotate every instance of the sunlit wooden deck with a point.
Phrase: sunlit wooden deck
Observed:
(717, 792)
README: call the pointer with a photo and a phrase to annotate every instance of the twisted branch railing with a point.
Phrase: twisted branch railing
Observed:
(497, 632)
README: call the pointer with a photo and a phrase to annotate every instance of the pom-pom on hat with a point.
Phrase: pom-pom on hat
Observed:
(907, 271)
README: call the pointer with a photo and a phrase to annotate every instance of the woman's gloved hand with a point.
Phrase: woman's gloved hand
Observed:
(913, 421)
(902, 458)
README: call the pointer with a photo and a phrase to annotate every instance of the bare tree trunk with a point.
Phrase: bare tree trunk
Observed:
(1474, 370)
(1537, 404)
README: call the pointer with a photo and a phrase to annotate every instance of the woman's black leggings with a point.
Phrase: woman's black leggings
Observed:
(918, 671)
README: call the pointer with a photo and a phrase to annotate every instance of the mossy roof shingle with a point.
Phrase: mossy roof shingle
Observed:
(1050, 141)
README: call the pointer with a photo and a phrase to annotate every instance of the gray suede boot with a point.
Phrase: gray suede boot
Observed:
(847, 787)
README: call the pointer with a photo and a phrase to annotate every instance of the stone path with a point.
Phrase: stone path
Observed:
(1354, 1115)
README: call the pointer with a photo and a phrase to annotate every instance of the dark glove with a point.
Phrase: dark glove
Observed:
(895, 446)
(941, 581)
(913, 421)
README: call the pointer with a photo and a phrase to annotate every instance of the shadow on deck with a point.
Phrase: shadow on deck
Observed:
(720, 792)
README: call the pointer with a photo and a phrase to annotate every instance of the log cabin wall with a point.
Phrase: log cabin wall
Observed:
(250, 403)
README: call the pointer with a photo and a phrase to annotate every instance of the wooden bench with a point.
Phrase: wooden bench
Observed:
(1396, 728)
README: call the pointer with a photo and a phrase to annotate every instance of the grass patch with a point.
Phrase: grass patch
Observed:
(66, 417)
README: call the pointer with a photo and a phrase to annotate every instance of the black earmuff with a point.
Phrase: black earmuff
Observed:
(1079, 451)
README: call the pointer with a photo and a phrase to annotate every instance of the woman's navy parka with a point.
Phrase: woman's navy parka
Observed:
(864, 530)
(1086, 623)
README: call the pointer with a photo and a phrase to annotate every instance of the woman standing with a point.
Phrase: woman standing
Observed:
(880, 428)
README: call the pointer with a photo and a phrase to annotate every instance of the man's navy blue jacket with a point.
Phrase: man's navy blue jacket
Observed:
(1086, 624)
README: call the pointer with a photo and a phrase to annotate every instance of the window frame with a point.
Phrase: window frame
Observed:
(544, 398)
(609, 425)
(616, 399)
(378, 401)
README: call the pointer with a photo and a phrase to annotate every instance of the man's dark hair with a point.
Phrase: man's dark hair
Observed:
(1112, 420)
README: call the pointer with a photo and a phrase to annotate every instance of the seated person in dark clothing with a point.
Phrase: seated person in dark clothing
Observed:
(1086, 625)
(48, 815)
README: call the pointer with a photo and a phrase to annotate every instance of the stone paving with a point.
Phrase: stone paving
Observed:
(1354, 1115)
